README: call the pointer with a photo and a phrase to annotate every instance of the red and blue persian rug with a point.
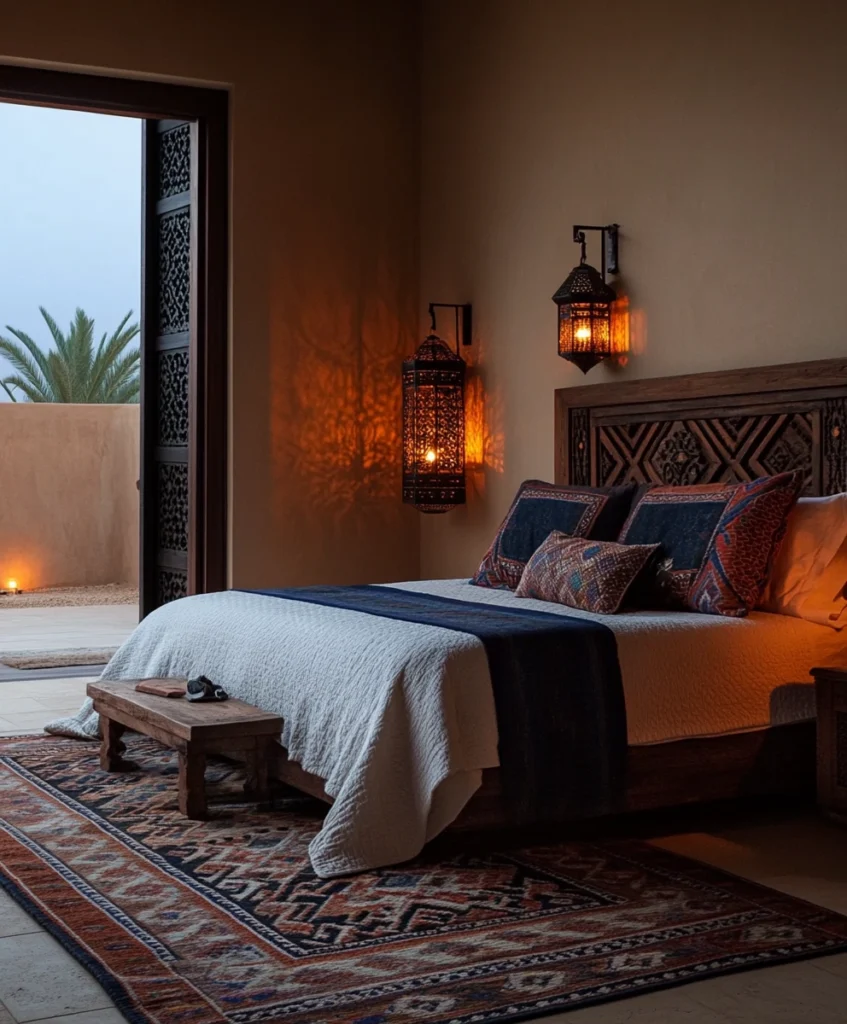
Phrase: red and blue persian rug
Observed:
(224, 921)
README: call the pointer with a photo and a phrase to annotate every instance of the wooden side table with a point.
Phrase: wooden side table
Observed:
(193, 730)
(831, 696)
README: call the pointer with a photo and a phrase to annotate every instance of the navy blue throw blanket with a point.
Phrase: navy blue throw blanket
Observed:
(557, 692)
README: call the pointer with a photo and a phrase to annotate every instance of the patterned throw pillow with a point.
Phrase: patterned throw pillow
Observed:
(588, 574)
(720, 539)
(539, 508)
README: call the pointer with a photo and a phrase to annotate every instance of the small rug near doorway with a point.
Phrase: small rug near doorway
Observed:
(57, 659)
(224, 921)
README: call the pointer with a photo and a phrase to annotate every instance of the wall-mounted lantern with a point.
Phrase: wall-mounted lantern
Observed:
(434, 418)
(585, 303)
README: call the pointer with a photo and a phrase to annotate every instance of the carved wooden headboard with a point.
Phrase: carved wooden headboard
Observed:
(699, 428)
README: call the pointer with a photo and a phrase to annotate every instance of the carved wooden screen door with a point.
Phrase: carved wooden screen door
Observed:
(180, 519)
(185, 278)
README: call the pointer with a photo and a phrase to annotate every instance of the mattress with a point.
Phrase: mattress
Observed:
(687, 675)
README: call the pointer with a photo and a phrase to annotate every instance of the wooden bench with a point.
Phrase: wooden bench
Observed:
(192, 729)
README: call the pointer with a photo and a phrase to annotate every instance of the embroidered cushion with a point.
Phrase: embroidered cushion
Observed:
(539, 508)
(592, 575)
(720, 540)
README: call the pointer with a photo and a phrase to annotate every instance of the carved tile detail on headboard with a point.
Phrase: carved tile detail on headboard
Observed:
(709, 449)
(726, 425)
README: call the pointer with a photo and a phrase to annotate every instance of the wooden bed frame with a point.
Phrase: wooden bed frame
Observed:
(699, 428)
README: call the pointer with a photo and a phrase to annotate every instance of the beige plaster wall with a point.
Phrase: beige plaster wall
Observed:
(714, 132)
(324, 251)
(68, 496)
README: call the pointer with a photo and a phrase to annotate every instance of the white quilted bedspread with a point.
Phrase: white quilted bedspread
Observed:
(687, 675)
(399, 719)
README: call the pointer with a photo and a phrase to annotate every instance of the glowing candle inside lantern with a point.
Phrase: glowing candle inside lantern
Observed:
(433, 425)
(585, 303)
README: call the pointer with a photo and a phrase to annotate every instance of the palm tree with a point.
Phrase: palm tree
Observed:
(74, 371)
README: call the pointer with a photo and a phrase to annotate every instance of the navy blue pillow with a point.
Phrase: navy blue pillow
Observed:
(717, 541)
(540, 508)
(685, 527)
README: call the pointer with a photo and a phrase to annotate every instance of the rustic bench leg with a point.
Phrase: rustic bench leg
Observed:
(192, 783)
(111, 746)
(256, 783)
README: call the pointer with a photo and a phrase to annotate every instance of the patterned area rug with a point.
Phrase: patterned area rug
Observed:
(224, 921)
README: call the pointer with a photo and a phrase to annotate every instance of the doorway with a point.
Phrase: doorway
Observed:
(183, 401)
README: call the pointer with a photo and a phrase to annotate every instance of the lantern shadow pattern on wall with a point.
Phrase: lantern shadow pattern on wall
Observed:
(484, 437)
(434, 421)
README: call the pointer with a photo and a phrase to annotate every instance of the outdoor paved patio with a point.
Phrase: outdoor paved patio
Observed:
(65, 628)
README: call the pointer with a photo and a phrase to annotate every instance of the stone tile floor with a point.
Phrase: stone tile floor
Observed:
(801, 854)
(26, 705)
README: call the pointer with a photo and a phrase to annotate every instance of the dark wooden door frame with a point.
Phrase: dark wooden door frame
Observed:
(208, 109)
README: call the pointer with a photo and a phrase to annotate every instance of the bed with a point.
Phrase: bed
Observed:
(715, 707)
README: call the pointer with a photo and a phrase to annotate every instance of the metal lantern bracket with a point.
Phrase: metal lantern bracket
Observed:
(463, 312)
(608, 246)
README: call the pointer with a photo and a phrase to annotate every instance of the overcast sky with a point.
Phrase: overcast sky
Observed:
(70, 218)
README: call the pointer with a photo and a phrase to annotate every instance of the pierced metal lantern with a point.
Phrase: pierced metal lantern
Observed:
(434, 427)
(585, 306)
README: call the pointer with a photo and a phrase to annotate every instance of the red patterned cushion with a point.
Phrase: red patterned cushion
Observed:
(588, 574)
(721, 539)
(539, 508)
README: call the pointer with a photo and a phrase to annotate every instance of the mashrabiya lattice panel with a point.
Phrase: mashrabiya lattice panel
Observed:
(173, 506)
(173, 584)
(175, 161)
(175, 272)
(707, 450)
(172, 248)
(173, 398)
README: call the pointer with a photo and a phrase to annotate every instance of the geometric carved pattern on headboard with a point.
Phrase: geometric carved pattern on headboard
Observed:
(719, 427)
(707, 450)
(690, 449)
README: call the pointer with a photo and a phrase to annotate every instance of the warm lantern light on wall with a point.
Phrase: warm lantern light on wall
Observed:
(434, 418)
(585, 303)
